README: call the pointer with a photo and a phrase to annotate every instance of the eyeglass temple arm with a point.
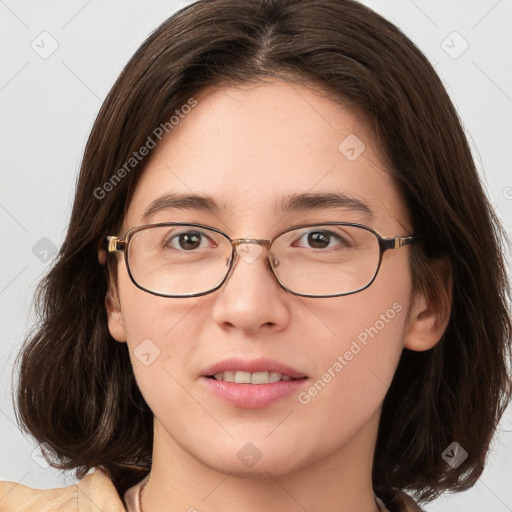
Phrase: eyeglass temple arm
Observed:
(114, 243)
(399, 241)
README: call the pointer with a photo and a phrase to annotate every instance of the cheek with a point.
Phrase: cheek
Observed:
(161, 334)
(354, 370)
(150, 316)
(365, 336)
(357, 355)
(162, 339)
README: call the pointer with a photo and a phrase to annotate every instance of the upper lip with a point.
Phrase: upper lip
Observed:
(261, 364)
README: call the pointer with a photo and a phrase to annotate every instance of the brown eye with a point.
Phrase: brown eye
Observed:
(322, 240)
(319, 240)
(189, 241)
(186, 241)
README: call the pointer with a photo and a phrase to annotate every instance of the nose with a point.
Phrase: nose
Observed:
(251, 297)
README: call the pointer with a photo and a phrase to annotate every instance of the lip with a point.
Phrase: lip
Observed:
(260, 364)
(252, 396)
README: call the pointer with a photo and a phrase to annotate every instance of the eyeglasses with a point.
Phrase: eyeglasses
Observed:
(176, 259)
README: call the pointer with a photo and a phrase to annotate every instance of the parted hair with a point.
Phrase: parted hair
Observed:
(76, 389)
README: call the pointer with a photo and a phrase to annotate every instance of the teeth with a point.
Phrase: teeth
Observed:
(274, 377)
(242, 377)
(250, 378)
(229, 375)
(260, 378)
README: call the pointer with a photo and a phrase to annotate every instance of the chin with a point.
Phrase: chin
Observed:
(261, 470)
(254, 460)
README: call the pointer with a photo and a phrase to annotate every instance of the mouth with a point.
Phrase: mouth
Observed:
(252, 384)
(262, 370)
(243, 377)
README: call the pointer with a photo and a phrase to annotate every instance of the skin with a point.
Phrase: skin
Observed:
(248, 147)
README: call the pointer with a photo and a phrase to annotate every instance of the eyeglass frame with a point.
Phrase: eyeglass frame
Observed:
(120, 243)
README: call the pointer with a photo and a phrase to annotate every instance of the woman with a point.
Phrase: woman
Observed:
(280, 275)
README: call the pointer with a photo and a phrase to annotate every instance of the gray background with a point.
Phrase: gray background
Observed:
(48, 104)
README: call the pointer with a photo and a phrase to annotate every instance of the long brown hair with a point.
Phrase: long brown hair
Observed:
(76, 389)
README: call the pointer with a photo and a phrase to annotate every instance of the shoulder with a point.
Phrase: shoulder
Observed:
(94, 492)
(16, 497)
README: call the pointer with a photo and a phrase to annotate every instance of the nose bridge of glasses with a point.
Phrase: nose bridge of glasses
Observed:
(260, 241)
(253, 255)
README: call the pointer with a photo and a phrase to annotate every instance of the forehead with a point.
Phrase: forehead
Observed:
(252, 148)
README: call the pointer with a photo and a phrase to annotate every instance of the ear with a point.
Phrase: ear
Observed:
(102, 256)
(115, 318)
(112, 304)
(428, 319)
(102, 251)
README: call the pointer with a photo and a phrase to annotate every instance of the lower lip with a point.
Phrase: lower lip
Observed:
(253, 396)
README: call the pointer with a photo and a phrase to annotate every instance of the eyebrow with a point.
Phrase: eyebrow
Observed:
(290, 204)
(324, 200)
(180, 202)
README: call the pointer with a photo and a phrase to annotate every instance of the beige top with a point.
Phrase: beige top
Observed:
(97, 492)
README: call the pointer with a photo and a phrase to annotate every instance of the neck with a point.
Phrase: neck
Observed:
(337, 482)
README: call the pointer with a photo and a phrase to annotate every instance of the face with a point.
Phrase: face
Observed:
(249, 149)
